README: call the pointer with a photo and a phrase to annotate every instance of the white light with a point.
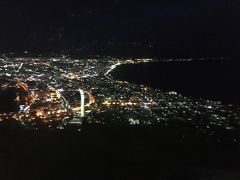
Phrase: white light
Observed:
(61, 90)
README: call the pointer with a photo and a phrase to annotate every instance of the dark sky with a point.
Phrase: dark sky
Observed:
(144, 27)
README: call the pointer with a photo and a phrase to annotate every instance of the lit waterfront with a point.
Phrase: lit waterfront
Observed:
(53, 97)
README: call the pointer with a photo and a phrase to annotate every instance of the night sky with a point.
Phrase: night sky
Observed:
(170, 28)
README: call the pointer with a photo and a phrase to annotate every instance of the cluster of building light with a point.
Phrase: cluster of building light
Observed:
(106, 98)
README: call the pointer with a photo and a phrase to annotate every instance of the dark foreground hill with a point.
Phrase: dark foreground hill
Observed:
(116, 153)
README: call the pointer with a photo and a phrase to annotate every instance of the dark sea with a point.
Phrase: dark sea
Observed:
(216, 80)
(7, 100)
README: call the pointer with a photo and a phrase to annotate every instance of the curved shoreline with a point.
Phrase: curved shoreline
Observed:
(137, 61)
(208, 80)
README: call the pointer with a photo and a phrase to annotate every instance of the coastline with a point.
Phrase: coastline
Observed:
(208, 80)
(128, 61)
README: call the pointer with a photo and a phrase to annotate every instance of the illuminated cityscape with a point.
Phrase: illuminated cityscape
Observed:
(57, 90)
(120, 90)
